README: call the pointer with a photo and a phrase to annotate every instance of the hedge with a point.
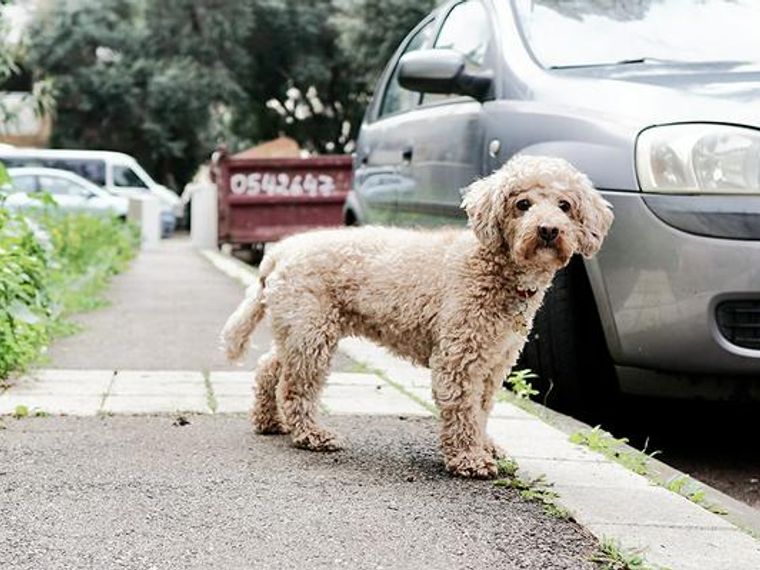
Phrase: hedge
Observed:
(52, 264)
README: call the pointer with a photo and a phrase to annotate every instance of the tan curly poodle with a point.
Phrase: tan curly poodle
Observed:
(460, 301)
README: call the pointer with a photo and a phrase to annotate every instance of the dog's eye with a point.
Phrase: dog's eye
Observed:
(523, 205)
(564, 205)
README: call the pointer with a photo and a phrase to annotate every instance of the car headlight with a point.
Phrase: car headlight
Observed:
(699, 159)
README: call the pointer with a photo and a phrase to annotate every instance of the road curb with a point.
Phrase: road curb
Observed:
(603, 496)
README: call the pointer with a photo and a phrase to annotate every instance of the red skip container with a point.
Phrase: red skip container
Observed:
(265, 199)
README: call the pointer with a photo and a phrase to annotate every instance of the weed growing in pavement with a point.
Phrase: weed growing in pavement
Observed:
(507, 467)
(211, 400)
(519, 382)
(611, 556)
(685, 486)
(534, 490)
(603, 442)
(21, 411)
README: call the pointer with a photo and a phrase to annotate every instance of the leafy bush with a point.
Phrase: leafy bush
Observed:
(52, 264)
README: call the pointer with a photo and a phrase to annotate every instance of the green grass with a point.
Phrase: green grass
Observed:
(611, 556)
(686, 487)
(534, 490)
(614, 448)
(211, 401)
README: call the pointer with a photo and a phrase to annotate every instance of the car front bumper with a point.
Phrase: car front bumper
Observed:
(659, 290)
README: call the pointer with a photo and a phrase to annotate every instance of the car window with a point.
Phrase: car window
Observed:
(467, 31)
(92, 170)
(125, 177)
(61, 186)
(396, 98)
(25, 184)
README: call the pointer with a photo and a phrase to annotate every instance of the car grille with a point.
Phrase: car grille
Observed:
(739, 322)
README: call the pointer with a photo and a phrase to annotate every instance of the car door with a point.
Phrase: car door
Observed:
(446, 145)
(382, 167)
(23, 191)
(66, 193)
(126, 182)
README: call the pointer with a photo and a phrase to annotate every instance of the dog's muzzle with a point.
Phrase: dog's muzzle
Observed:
(547, 234)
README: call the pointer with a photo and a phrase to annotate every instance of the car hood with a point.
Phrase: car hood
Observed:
(657, 93)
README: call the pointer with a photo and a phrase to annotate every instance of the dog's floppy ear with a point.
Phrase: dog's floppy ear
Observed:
(596, 219)
(481, 202)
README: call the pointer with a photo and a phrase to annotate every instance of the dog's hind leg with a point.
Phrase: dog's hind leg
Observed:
(265, 416)
(305, 366)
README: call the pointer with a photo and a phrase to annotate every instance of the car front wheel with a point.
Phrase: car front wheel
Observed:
(567, 349)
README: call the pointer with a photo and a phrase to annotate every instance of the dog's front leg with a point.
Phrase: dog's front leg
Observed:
(458, 392)
(491, 385)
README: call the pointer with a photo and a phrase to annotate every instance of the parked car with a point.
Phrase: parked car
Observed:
(665, 123)
(70, 191)
(116, 172)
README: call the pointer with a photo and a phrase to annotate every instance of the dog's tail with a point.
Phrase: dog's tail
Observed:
(240, 325)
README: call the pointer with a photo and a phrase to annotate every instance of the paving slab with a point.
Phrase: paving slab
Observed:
(234, 404)
(46, 381)
(158, 383)
(155, 404)
(380, 399)
(680, 548)
(73, 405)
(164, 313)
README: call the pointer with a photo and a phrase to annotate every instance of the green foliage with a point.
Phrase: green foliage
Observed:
(41, 285)
(519, 383)
(166, 81)
(20, 412)
(686, 487)
(534, 490)
(371, 30)
(611, 556)
(603, 442)
(141, 77)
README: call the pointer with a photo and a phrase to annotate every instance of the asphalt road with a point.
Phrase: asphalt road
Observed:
(139, 492)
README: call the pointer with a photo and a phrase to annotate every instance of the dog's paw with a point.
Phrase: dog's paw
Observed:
(318, 440)
(270, 428)
(494, 450)
(476, 466)
(268, 425)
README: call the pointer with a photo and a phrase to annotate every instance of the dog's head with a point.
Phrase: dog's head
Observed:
(539, 210)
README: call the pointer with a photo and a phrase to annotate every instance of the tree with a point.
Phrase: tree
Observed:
(314, 65)
(371, 30)
(167, 80)
(141, 77)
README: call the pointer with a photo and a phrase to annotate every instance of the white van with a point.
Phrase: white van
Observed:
(115, 171)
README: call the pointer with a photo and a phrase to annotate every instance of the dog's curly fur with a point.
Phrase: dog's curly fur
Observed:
(459, 301)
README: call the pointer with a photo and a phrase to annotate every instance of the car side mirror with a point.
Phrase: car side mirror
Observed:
(442, 71)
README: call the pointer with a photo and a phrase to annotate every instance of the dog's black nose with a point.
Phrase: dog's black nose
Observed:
(548, 233)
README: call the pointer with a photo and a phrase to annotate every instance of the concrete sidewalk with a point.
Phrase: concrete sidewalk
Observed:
(130, 361)
(165, 313)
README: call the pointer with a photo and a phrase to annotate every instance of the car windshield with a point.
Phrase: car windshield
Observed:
(575, 33)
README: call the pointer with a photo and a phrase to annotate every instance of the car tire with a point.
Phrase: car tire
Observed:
(567, 350)
(256, 254)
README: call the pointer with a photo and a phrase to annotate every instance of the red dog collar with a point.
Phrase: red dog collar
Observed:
(526, 293)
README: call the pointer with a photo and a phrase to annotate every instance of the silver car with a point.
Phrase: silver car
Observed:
(657, 100)
(68, 190)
